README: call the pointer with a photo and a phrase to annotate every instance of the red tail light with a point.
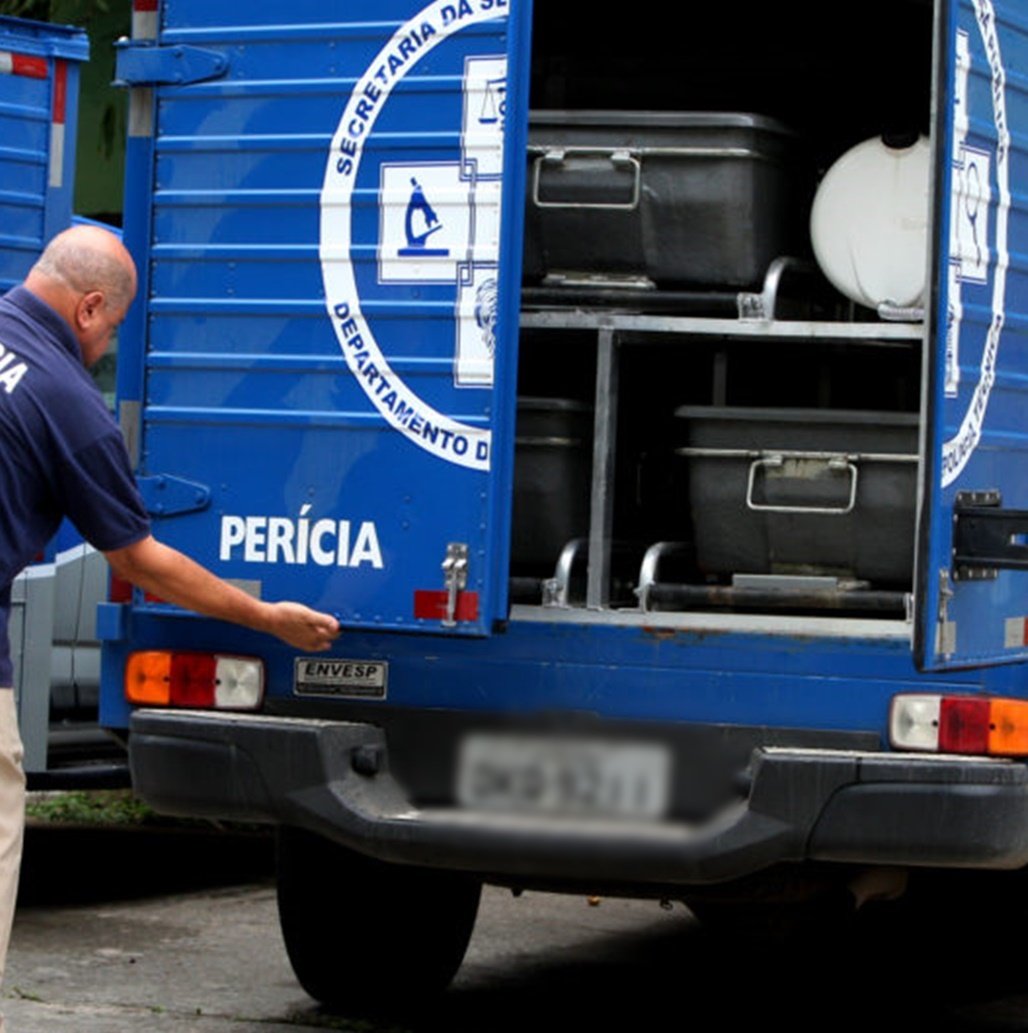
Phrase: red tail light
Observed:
(983, 725)
(201, 680)
(964, 725)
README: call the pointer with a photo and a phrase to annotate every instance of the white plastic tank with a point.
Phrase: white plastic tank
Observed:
(869, 223)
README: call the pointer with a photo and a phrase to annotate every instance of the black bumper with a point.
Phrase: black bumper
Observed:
(804, 804)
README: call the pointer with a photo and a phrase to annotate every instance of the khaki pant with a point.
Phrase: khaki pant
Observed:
(12, 819)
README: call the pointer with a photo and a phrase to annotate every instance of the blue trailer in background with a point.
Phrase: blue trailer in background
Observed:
(39, 73)
(52, 629)
(675, 556)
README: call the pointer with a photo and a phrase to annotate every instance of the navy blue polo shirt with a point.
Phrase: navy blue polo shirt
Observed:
(61, 453)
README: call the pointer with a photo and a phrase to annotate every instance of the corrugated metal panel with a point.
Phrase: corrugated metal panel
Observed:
(980, 387)
(339, 474)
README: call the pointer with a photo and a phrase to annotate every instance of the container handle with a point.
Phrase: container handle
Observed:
(620, 158)
(777, 462)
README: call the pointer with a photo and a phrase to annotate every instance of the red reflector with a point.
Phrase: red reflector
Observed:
(31, 67)
(60, 100)
(192, 679)
(964, 725)
(120, 590)
(429, 605)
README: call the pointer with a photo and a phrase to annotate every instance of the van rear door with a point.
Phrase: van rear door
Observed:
(323, 199)
(973, 562)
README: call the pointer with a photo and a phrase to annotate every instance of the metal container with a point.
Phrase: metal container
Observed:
(661, 198)
(552, 463)
(802, 491)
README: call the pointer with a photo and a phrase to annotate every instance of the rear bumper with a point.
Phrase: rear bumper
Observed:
(827, 805)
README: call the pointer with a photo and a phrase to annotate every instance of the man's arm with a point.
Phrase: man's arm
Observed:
(174, 577)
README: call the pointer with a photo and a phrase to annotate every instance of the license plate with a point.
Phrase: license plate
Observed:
(584, 777)
(356, 679)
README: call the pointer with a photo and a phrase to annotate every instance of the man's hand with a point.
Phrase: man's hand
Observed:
(302, 627)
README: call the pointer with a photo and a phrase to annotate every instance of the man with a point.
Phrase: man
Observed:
(61, 454)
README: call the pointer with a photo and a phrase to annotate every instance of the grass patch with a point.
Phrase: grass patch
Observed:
(120, 808)
(89, 807)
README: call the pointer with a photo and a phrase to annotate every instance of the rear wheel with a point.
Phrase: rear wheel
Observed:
(366, 936)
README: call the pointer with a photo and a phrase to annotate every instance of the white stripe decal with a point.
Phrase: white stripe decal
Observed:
(56, 154)
(140, 116)
(6, 62)
(144, 25)
(1014, 633)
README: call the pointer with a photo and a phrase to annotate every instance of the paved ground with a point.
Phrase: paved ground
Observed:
(118, 932)
(129, 946)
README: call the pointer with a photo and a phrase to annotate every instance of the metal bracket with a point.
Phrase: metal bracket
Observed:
(144, 64)
(649, 571)
(455, 579)
(985, 536)
(900, 313)
(171, 496)
(763, 306)
(557, 589)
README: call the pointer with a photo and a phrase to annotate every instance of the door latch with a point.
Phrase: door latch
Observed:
(455, 579)
(986, 537)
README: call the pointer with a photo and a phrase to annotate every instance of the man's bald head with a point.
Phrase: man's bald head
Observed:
(86, 258)
(87, 277)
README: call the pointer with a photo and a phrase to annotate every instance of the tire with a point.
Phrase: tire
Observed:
(364, 936)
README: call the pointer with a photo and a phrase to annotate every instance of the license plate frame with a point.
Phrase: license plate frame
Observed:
(341, 678)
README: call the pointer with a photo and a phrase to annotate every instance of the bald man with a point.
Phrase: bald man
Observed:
(61, 454)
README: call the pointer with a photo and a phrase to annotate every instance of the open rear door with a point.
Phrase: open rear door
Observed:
(325, 198)
(973, 562)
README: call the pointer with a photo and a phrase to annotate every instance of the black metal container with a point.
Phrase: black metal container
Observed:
(802, 491)
(552, 464)
(663, 198)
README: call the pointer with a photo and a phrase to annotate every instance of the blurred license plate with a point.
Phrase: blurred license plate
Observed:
(520, 774)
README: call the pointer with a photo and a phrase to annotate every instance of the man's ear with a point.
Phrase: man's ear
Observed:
(89, 306)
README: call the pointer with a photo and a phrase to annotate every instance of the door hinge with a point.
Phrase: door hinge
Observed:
(141, 63)
(986, 537)
(171, 496)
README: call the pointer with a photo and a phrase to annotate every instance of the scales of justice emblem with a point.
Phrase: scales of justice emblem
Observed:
(431, 230)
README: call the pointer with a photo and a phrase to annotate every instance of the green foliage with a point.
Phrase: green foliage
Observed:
(98, 807)
(37, 9)
(66, 12)
(80, 12)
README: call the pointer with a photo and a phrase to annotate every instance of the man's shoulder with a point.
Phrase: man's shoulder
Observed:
(18, 318)
(48, 394)
(29, 325)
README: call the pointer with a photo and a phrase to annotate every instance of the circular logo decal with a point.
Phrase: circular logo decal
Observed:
(976, 171)
(409, 220)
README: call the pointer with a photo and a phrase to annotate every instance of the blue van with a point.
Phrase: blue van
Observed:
(649, 406)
